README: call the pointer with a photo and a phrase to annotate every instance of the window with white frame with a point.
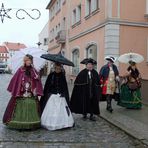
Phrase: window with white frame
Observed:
(59, 27)
(91, 6)
(53, 33)
(64, 24)
(56, 30)
(60, 3)
(78, 13)
(45, 41)
(50, 38)
(75, 59)
(74, 17)
(91, 52)
(56, 6)
(146, 6)
(87, 7)
(63, 1)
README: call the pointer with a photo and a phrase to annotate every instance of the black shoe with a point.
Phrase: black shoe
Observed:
(84, 117)
(74, 125)
(92, 118)
(109, 109)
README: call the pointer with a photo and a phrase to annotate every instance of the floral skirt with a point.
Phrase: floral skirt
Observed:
(130, 99)
(25, 114)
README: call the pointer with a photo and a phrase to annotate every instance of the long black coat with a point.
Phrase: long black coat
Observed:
(55, 83)
(85, 99)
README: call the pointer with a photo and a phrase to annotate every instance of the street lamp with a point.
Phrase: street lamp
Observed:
(39, 43)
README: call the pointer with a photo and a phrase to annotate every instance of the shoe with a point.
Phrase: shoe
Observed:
(74, 125)
(84, 117)
(109, 109)
(92, 118)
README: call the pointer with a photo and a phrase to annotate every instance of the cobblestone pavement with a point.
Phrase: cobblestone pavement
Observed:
(87, 134)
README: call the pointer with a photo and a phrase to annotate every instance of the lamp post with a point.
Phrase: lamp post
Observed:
(39, 43)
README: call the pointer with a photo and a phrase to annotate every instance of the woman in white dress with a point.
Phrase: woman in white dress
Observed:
(55, 102)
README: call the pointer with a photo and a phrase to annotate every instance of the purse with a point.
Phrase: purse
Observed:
(134, 85)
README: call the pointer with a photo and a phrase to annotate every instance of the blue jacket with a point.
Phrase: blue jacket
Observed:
(104, 72)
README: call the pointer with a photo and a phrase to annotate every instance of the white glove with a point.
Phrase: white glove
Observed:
(118, 78)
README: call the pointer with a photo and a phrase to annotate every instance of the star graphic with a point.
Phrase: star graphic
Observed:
(3, 13)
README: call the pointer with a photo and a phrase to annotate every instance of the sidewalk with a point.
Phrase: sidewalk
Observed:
(133, 122)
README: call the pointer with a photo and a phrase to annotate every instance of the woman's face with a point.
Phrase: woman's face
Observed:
(57, 69)
(28, 62)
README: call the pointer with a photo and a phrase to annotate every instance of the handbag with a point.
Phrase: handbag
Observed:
(134, 85)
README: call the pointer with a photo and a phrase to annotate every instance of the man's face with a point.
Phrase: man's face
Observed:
(89, 66)
(110, 63)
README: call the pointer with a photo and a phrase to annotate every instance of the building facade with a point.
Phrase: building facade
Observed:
(97, 28)
(44, 37)
(12, 48)
(4, 54)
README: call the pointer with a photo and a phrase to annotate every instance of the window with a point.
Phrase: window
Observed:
(88, 7)
(78, 14)
(75, 59)
(64, 24)
(45, 41)
(91, 6)
(59, 27)
(52, 34)
(94, 5)
(52, 12)
(63, 1)
(74, 17)
(91, 52)
(58, 5)
(56, 30)
(146, 6)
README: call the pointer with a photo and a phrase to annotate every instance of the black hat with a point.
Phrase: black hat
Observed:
(88, 60)
(110, 58)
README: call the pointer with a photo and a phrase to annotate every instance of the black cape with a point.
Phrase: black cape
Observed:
(55, 83)
(85, 99)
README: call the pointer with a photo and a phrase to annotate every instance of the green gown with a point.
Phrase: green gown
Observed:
(130, 99)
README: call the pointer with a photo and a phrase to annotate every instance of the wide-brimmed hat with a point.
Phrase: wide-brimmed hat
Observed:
(88, 60)
(110, 58)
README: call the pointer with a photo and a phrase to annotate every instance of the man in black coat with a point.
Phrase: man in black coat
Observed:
(86, 91)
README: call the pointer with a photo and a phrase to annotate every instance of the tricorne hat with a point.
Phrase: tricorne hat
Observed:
(88, 60)
(110, 58)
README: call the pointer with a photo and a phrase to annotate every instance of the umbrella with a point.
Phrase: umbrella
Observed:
(88, 60)
(17, 58)
(135, 57)
(57, 58)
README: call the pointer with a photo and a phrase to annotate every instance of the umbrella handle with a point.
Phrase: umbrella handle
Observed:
(36, 75)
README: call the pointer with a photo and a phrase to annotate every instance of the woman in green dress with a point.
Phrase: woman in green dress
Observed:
(22, 111)
(130, 95)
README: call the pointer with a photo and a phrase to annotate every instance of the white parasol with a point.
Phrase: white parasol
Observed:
(17, 58)
(135, 57)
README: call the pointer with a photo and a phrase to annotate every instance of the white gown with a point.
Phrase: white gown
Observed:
(56, 114)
